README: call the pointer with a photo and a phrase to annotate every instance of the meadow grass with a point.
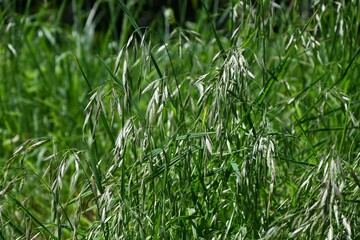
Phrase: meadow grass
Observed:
(243, 124)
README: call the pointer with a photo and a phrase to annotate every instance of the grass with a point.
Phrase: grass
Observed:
(242, 124)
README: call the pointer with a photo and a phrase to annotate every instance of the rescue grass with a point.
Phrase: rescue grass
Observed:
(241, 125)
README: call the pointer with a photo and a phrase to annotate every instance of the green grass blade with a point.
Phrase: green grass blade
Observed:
(29, 214)
(218, 41)
(137, 29)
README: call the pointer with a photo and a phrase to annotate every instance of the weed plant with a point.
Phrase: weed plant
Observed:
(241, 124)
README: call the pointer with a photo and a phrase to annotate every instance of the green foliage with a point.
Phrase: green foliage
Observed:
(240, 124)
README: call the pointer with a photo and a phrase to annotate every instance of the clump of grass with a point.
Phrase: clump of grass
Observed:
(242, 124)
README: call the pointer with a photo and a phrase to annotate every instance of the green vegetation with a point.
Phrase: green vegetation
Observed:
(243, 124)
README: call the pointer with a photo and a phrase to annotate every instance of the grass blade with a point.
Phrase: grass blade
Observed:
(30, 215)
